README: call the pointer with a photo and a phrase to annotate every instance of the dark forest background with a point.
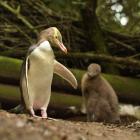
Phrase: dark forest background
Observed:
(101, 31)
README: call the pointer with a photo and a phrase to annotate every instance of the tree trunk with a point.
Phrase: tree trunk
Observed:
(123, 61)
(127, 89)
(135, 64)
(93, 28)
(11, 95)
(95, 33)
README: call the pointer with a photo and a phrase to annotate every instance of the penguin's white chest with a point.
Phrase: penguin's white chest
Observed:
(40, 75)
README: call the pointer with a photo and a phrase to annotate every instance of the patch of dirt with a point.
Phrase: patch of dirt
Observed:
(24, 127)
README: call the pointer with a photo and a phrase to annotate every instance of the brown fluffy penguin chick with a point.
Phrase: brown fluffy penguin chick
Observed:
(100, 99)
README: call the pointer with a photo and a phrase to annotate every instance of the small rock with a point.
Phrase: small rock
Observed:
(47, 133)
(76, 137)
(20, 123)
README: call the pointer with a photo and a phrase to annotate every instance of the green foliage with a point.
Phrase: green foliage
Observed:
(67, 7)
(113, 13)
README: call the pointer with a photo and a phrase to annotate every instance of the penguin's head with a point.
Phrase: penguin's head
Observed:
(54, 37)
(93, 70)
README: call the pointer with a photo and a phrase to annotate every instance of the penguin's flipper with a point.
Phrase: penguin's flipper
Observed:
(26, 70)
(27, 65)
(62, 71)
(24, 82)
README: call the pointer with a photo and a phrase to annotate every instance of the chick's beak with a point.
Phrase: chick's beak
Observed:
(62, 47)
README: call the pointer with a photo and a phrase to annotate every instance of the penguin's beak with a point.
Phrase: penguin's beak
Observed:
(61, 46)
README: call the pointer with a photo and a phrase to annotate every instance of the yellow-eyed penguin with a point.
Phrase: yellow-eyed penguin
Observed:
(37, 71)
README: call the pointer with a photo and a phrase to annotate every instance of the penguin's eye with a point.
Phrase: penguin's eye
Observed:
(56, 37)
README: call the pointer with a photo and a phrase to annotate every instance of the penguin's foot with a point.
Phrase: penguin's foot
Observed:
(51, 119)
(43, 113)
(32, 112)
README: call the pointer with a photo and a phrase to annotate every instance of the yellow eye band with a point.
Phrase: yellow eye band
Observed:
(55, 32)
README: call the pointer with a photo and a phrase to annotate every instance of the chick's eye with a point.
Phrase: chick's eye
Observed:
(56, 37)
